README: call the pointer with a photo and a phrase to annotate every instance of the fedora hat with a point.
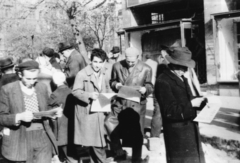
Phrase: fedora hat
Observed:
(48, 52)
(6, 63)
(64, 46)
(115, 49)
(180, 56)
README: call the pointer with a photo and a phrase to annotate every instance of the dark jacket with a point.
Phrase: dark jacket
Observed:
(8, 78)
(181, 134)
(61, 97)
(14, 146)
(141, 76)
(74, 64)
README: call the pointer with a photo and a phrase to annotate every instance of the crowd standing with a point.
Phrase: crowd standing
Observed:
(74, 130)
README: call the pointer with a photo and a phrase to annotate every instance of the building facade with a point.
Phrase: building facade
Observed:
(209, 28)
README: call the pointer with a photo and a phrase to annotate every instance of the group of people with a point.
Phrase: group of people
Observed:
(29, 136)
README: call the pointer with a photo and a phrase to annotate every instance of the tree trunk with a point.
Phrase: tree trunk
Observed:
(79, 40)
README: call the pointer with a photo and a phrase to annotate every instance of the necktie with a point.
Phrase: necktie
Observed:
(188, 90)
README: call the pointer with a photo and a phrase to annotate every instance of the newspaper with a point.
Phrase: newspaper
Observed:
(130, 93)
(50, 113)
(210, 110)
(103, 103)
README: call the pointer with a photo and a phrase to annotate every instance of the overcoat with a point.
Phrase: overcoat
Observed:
(182, 138)
(14, 145)
(62, 97)
(74, 64)
(89, 126)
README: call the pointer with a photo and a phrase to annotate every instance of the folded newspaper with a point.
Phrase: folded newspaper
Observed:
(103, 103)
(130, 93)
(49, 113)
(208, 113)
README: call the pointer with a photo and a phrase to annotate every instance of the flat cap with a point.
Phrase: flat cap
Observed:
(28, 65)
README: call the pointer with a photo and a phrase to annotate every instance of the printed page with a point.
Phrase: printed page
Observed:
(103, 103)
(209, 111)
(130, 93)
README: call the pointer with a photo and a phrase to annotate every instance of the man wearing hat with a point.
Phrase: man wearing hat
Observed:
(136, 74)
(6, 67)
(115, 55)
(74, 62)
(25, 138)
(178, 108)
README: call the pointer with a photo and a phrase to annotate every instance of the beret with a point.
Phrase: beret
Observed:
(28, 65)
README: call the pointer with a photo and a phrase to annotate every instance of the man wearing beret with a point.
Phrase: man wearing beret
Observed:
(74, 62)
(133, 73)
(25, 138)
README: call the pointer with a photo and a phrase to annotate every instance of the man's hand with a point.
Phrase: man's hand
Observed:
(118, 86)
(26, 116)
(94, 95)
(142, 90)
(59, 112)
(197, 101)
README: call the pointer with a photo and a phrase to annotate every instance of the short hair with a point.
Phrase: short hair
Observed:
(98, 53)
(59, 77)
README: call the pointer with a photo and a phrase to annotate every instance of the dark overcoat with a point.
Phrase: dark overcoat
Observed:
(62, 97)
(14, 145)
(89, 126)
(181, 134)
(74, 64)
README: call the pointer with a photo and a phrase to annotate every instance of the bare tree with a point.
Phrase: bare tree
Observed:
(101, 22)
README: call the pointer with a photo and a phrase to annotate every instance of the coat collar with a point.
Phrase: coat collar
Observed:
(90, 72)
(19, 94)
(137, 68)
(178, 81)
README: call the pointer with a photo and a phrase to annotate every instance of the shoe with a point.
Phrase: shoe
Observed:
(145, 160)
(120, 155)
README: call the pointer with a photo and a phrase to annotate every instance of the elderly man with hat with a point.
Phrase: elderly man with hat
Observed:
(6, 67)
(26, 138)
(115, 55)
(74, 62)
(178, 108)
(133, 73)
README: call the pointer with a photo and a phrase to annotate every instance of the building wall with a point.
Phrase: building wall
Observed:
(213, 7)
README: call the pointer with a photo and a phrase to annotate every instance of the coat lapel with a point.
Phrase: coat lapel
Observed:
(135, 72)
(178, 81)
(92, 77)
(18, 97)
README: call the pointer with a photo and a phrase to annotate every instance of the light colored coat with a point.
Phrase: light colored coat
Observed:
(89, 126)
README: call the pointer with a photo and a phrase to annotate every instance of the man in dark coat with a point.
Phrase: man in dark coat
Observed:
(178, 108)
(74, 62)
(134, 73)
(62, 129)
(25, 138)
(8, 75)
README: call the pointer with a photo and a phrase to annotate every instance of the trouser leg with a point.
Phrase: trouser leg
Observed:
(69, 153)
(156, 123)
(113, 130)
(142, 117)
(97, 155)
(39, 147)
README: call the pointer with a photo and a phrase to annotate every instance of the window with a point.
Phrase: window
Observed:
(238, 43)
(157, 18)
